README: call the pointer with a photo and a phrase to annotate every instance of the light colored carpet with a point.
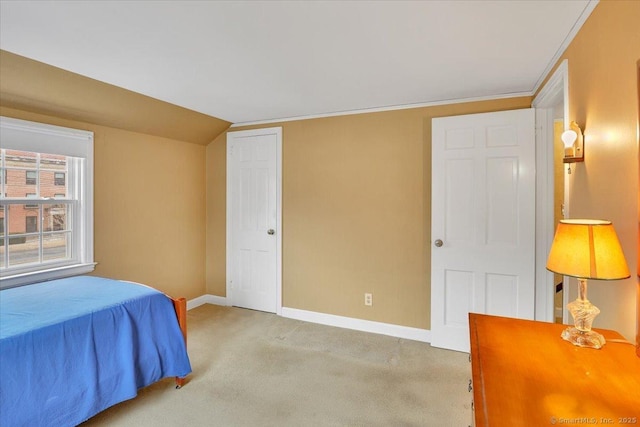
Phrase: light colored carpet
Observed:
(258, 369)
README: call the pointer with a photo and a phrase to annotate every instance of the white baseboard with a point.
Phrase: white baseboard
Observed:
(398, 331)
(406, 332)
(206, 299)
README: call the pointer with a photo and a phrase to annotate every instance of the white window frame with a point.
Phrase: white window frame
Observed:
(42, 138)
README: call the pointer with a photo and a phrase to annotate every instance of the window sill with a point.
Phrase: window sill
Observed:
(44, 275)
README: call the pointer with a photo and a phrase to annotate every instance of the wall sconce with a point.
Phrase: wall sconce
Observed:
(573, 141)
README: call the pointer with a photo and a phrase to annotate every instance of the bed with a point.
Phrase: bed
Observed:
(70, 348)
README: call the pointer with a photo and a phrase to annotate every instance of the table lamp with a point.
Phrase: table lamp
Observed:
(586, 249)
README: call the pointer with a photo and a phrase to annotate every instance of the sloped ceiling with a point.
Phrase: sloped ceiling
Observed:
(40, 88)
(245, 61)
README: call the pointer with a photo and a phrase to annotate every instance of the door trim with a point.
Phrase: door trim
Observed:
(231, 136)
(556, 90)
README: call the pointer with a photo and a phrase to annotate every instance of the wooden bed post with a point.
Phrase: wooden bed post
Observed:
(180, 305)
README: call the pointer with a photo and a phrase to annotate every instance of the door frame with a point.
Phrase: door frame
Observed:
(232, 136)
(556, 90)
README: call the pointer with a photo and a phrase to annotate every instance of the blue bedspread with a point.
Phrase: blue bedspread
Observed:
(71, 348)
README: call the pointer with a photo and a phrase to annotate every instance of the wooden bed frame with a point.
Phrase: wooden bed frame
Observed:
(180, 305)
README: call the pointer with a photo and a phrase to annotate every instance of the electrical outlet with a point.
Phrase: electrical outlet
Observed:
(368, 299)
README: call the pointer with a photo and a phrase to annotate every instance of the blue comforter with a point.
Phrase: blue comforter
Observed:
(71, 348)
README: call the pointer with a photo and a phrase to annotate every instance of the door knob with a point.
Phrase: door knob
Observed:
(438, 243)
(271, 231)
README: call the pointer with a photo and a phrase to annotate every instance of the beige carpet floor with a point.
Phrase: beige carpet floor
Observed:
(258, 369)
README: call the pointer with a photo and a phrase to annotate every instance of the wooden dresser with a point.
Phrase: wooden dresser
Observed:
(524, 374)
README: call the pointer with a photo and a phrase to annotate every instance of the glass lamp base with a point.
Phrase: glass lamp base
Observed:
(583, 313)
(589, 339)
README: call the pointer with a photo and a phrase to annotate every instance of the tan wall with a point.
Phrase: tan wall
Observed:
(602, 99)
(149, 207)
(356, 212)
(216, 231)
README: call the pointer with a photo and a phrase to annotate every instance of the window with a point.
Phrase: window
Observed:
(59, 178)
(46, 202)
(31, 224)
(31, 178)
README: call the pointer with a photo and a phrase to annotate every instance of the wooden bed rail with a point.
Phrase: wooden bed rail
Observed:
(180, 305)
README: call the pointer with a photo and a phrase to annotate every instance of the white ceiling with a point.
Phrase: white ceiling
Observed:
(246, 61)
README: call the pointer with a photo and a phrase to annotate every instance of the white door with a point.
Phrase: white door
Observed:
(483, 221)
(254, 219)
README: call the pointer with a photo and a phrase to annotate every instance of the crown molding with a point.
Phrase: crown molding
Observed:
(586, 12)
(382, 109)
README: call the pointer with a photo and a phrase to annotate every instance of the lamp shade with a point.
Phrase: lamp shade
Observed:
(587, 249)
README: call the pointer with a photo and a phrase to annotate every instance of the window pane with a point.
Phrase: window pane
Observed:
(52, 184)
(24, 250)
(56, 246)
(55, 217)
(53, 162)
(20, 159)
(17, 185)
(1, 221)
(17, 223)
(2, 253)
